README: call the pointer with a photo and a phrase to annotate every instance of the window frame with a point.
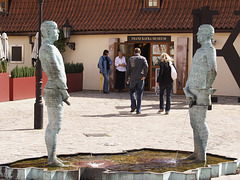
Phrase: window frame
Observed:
(6, 6)
(146, 6)
(11, 54)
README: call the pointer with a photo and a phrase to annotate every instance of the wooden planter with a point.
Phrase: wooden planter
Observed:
(22, 88)
(4, 87)
(75, 82)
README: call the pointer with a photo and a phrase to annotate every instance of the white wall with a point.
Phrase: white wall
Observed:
(88, 51)
(27, 49)
(90, 47)
(225, 82)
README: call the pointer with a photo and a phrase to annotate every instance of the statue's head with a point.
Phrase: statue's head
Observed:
(49, 30)
(205, 33)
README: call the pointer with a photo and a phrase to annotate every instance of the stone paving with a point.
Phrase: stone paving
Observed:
(92, 112)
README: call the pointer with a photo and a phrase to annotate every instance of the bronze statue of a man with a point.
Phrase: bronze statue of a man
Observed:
(198, 90)
(55, 91)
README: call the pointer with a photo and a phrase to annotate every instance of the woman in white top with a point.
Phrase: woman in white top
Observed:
(120, 63)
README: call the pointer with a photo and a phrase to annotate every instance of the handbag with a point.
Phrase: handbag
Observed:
(173, 71)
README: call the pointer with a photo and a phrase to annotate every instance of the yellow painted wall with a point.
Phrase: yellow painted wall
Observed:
(27, 49)
(225, 83)
(90, 47)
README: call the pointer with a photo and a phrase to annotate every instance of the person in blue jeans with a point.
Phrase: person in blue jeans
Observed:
(137, 70)
(165, 82)
(104, 66)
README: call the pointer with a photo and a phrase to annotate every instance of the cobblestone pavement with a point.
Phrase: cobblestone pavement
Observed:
(92, 112)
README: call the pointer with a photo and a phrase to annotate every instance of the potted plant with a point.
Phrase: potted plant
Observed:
(4, 81)
(22, 83)
(74, 72)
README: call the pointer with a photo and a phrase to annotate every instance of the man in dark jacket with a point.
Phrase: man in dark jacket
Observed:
(137, 70)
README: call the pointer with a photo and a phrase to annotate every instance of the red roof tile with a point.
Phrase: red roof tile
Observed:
(116, 15)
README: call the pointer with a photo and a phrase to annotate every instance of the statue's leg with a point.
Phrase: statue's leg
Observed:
(195, 153)
(200, 132)
(203, 132)
(192, 113)
(55, 115)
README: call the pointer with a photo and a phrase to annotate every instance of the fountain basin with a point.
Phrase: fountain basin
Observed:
(135, 164)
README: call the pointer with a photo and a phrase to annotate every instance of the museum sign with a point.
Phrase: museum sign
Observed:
(149, 38)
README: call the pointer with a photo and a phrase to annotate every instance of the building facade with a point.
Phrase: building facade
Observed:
(155, 26)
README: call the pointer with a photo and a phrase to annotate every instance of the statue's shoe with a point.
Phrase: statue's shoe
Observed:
(55, 163)
(199, 160)
(191, 157)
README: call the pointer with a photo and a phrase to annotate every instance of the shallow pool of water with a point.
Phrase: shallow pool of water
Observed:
(136, 161)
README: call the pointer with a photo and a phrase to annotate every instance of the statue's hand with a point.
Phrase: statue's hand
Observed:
(191, 101)
(65, 96)
(67, 102)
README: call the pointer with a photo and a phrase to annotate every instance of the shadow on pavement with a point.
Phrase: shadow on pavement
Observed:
(18, 130)
(120, 114)
(150, 96)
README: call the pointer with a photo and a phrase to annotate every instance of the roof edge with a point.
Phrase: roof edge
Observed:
(122, 32)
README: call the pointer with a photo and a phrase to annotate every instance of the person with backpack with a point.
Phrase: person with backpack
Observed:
(104, 64)
(165, 81)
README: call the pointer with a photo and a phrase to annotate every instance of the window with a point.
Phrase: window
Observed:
(153, 3)
(3, 5)
(17, 53)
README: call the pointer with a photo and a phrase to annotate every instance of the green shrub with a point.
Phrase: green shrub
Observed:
(60, 43)
(18, 72)
(4, 66)
(73, 68)
(1, 69)
(25, 72)
(31, 71)
(14, 72)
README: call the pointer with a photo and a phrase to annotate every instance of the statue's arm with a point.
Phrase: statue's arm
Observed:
(189, 95)
(57, 73)
(191, 98)
(212, 67)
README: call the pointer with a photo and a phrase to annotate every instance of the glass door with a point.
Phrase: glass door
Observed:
(127, 49)
(155, 57)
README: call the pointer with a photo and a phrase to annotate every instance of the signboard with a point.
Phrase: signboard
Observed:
(149, 38)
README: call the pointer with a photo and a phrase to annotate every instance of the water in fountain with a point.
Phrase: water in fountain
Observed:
(136, 161)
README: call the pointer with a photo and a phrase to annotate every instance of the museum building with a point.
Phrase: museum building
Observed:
(155, 26)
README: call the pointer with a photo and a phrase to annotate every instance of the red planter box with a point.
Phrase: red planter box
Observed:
(44, 80)
(22, 88)
(75, 82)
(4, 87)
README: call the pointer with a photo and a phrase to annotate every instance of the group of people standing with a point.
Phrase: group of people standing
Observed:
(137, 69)
(104, 66)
